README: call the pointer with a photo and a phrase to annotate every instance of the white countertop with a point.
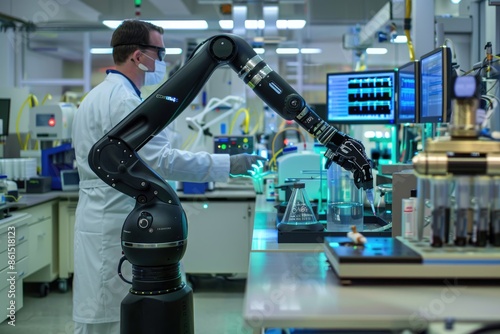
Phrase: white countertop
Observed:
(299, 290)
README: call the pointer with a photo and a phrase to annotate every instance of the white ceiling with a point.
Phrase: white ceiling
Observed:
(61, 24)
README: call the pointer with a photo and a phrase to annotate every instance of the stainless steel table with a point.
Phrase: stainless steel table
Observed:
(299, 290)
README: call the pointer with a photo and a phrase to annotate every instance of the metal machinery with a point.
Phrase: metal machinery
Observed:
(461, 174)
(49, 123)
(154, 235)
(52, 121)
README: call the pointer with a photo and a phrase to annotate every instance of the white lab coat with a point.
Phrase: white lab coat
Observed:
(101, 210)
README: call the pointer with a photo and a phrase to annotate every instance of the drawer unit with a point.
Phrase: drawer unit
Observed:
(40, 245)
(43, 254)
(9, 294)
(21, 253)
(13, 228)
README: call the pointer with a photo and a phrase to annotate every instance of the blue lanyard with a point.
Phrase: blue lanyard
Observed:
(138, 92)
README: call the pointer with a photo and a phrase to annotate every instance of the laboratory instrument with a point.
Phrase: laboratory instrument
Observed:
(154, 235)
(384, 210)
(52, 121)
(70, 180)
(55, 160)
(233, 144)
(303, 166)
(48, 123)
(463, 245)
(228, 105)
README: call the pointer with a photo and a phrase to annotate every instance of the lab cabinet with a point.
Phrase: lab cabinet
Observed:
(67, 209)
(13, 231)
(43, 250)
(219, 235)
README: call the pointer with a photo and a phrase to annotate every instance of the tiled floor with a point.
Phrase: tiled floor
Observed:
(218, 304)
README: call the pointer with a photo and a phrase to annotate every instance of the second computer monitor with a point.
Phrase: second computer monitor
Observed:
(361, 97)
(408, 88)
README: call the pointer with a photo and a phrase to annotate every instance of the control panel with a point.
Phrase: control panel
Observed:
(233, 144)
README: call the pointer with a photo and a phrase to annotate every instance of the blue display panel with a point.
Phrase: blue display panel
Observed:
(408, 93)
(435, 80)
(361, 97)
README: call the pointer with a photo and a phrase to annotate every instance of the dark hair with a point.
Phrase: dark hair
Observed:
(128, 36)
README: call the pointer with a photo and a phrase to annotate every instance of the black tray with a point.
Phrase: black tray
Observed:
(318, 237)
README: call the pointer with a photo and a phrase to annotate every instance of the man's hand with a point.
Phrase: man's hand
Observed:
(240, 164)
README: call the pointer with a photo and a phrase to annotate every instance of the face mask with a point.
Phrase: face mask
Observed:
(156, 77)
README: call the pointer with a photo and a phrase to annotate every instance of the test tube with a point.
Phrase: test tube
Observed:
(495, 214)
(463, 199)
(440, 210)
(482, 195)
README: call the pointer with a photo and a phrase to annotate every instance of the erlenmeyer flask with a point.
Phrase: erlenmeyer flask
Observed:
(299, 215)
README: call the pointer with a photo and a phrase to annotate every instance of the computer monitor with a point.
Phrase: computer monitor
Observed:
(5, 116)
(408, 88)
(361, 97)
(435, 85)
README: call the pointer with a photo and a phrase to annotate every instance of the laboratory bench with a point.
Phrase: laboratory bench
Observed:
(292, 285)
(299, 290)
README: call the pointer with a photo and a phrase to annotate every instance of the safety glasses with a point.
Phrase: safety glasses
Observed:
(159, 50)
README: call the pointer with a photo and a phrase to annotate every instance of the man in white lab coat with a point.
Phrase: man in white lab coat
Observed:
(138, 52)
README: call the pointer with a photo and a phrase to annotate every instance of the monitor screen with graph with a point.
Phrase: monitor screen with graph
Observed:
(361, 97)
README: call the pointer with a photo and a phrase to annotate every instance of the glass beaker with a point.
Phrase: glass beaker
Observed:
(345, 201)
(299, 214)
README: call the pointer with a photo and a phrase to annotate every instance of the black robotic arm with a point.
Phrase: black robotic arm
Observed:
(154, 234)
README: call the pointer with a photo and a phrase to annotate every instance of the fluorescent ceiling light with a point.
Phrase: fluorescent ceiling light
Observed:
(101, 51)
(259, 51)
(400, 39)
(376, 51)
(107, 51)
(287, 51)
(255, 24)
(260, 24)
(290, 24)
(226, 24)
(294, 51)
(167, 24)
(310, 50)
(173, 51)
